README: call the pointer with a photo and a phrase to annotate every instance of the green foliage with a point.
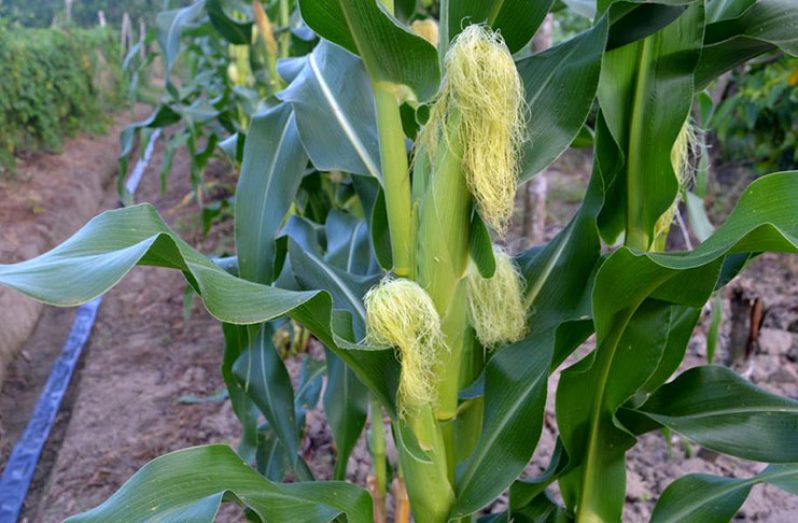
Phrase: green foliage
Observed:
(338, 133)
(41, 13)
(758, 124)
(54, 83)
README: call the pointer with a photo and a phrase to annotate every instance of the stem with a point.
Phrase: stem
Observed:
(377, 446)
(396, 174)
(396, 179)
(443, 259)
(285, 29)
(401, 513)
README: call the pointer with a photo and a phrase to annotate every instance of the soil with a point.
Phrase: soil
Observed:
(126, 405)
(45, 200)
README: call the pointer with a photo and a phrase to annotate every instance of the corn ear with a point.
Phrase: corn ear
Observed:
(484, 91)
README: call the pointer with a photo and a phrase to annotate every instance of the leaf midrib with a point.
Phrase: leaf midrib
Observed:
(341, 118)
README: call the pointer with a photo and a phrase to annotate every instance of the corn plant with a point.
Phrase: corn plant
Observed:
(423, 319)
(219, 60)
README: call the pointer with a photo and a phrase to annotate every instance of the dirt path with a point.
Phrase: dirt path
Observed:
(123, 408)
(47, 199)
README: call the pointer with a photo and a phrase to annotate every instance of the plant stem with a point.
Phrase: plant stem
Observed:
(443, 257)
(401, 513)
(285, 28)
(431, 494)
(395, 173)
(442, 262)
(396, 179)
(377, 446)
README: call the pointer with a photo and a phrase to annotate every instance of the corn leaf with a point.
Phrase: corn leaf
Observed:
(262, 376)
(349, 244)
(334, 107)
(560, 86)
(273, 165)
(501, 15)
(702, 498)
(190, 485)
(629, 314)
(110, 245)
(234, 31)
(169, 28)
(513, 421)
(645, 94)
(723, 412)
(391, 53)
(742, 30)
(559, 275)
(235, 341)
(633, 20)
(345, 399)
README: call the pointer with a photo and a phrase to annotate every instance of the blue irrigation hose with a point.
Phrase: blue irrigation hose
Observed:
(24, 458)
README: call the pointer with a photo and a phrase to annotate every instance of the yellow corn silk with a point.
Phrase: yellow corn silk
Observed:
(483, 97)
(401, 314)
(496, 304)
(683, 147)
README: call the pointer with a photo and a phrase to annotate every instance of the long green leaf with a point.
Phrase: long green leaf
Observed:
(273, 166)
(170, 26)
(348, 244)
(722, 411)
(701, 498)
(262, 375)
(515, 397)
(743, 30)
(391, 53)
(763, 220)
(501, 15)
(334, 107)
(559, 275)
(110, 245)
(645, 94)
(560, 86)
(234, 31)
(190, 485)
(346, 399)
(235, 343)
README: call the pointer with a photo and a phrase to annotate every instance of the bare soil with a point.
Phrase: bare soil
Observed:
(125, 404)
(44, 201)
